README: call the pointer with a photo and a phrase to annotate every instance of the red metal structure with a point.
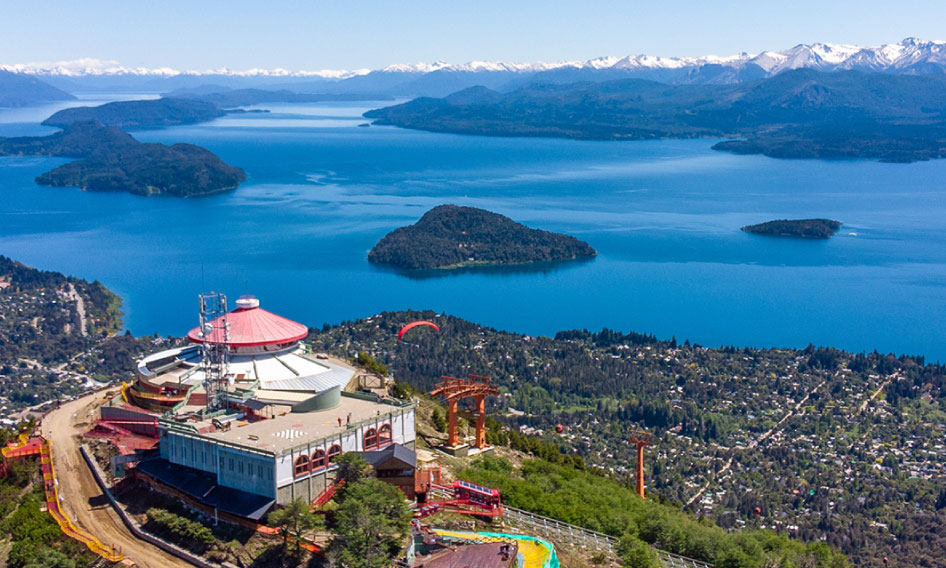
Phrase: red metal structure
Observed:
(453, 390)
(467, 499)
(640, 439)
(27, 446)
(327, 495)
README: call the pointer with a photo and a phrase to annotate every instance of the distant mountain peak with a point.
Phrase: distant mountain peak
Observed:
(909, 55)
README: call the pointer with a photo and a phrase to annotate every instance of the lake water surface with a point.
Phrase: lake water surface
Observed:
(664, 217)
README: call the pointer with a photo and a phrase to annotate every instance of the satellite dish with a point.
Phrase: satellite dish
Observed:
(208, 329)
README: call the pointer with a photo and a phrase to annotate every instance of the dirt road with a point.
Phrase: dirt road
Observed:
(80, 308)
(81, 497)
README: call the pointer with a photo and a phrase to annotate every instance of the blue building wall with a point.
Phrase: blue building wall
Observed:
(240, 470)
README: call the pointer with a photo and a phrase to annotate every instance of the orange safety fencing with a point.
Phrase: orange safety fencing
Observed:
(55, 509)
(23, 447)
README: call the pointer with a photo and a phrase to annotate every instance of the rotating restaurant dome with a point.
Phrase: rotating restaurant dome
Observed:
(252, 326)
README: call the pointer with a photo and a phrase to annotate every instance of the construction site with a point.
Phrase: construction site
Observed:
(245, 420)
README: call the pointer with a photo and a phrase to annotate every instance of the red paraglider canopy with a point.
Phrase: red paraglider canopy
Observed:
(414, 324)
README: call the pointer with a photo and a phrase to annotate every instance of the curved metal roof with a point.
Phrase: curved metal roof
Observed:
(252, 326)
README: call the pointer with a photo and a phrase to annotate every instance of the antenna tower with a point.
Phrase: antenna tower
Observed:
(214, 351)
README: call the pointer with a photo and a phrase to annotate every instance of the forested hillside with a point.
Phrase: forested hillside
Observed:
(57, 337)
(827, 445)
(797, 114)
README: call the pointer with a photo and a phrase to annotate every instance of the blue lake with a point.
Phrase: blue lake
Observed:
(664, 217)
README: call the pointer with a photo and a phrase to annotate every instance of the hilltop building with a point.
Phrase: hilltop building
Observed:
(263, 424)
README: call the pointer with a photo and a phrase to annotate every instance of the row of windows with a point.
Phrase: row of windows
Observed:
(374, 439)
(379, 438)
(320, 460)
(246, 469)
(237, 466)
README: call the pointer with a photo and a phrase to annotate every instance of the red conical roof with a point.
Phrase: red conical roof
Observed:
(252, 326)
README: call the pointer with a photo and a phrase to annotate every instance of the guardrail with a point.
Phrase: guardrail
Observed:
(578, 536)
(574, 535)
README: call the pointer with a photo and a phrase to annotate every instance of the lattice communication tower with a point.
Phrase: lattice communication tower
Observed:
(215, 349)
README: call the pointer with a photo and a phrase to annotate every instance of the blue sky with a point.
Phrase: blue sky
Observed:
(296, 35)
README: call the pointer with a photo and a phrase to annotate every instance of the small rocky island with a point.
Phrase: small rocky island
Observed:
(799, 228)
(451, 236)
(112, 160)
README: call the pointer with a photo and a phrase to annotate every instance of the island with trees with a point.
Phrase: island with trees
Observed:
(451, 236)
(799, 228)
(112, 160)
(156, 113)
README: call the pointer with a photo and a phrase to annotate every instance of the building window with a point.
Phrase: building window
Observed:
(371, 439)
(384, 435)
(302, 465)
(334, 452)
(318, 460)
(259, 471)
(231, 464)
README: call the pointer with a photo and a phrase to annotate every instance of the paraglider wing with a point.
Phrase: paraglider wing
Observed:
(414, 324)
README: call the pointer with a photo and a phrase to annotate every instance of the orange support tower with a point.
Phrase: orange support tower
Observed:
(640, 439)
(453, 390)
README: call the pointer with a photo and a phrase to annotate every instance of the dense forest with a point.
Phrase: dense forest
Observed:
(111, 160)
(797, 114)
(449, 236)
(128, 115)
(816, 443)
(803, 228)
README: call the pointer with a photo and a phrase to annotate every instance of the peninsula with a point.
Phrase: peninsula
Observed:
(800, 228)
(796, 114)
(18, 89)
(229, 98)
(156, 113)
(451, 236)
(112, 160)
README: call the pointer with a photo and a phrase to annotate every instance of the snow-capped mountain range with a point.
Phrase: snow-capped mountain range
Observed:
(908, 56)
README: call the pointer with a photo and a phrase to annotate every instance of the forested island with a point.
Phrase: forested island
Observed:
(156, 113)
(451, 236)
(796, 114)
(112, 160)
(801, 228)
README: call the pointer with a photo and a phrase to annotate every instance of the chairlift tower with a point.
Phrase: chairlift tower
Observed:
(640, 439)
(215, 348)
